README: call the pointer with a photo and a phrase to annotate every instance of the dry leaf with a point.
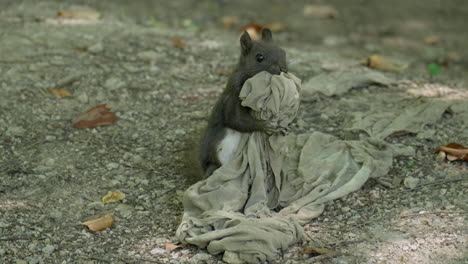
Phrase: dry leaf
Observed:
(455, 152)
(431, 40)
(377, 62)
(400, 133)
(98, 115)
(320, 11)
(100, 222)
(275, 27)
(254, 30)
(316, 251)
(230, 21)
(113, 196)
(178, 42)
(60, 92)
(171, 247)
(86, 13)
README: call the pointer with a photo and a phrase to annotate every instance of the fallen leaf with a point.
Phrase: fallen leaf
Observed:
(230, 21)
(100, 222)
(178, 42)
(431, 40)
(98, 115)
(171, 247)
(275, 27)
(113, 196)
(400, 133)
(86, 13)
(455, 152)
(60, 92)
(377, 62)
(316, 251)
(320, 11)
(254, 30)
(223, 71)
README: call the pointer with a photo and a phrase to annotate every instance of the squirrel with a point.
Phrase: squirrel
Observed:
(228, 117)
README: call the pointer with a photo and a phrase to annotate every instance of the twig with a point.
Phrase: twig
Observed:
(322, 257)
(428, 213)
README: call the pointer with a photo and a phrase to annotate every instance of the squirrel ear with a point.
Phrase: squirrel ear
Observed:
(266, 34)
(246, 43)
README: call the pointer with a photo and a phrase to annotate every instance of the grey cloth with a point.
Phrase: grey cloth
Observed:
(256, 203)
(340, 82)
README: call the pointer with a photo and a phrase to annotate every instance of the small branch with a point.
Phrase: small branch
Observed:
(429, 213)
(322, 257)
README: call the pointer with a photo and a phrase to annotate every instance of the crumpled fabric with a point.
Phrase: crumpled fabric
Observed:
(340, 82)
(256, 203)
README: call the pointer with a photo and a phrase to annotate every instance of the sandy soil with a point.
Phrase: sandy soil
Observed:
(53, 176)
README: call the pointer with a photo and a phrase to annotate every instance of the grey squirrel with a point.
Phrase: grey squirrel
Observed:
(229, 118)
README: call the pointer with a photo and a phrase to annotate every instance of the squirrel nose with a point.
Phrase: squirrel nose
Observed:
(284, 69)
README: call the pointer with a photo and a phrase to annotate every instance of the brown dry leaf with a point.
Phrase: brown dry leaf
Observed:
(316, 251)
(230, 21)
(98, 115)
(113, 196)
(400, 133)
(320, 11)
(431, 40)
(275, 27)
(455, 152)
(60, 92)
(254, 30)
(100, 222)
(178, 42)
(86, 13)
(379, 63)
(171, 247)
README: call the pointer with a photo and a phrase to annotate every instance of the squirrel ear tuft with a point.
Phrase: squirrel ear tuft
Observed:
(267, 35)
(246, 43)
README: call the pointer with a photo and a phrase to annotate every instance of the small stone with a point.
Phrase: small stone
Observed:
(148, 55)
(154, 68)
(96, 48)
(20, 261)
(50, 138)
(15, 131)
(48, 249)
(125, 210)
(2, 251)
(113, 166)
(83, 98)
(157, 251)
(180, 132)
(137, 158)
(113, 83)
(411, 182)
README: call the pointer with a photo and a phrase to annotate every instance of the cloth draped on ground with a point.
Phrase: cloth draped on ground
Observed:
(256, 203)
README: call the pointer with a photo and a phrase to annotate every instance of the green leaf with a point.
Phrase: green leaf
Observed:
(434, 69)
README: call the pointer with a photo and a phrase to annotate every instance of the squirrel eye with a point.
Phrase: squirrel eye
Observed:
(259, 57)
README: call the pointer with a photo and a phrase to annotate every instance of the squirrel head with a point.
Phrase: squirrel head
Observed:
(261, 55)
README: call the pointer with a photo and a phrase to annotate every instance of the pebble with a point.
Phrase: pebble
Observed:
(48, 249)
(96, 48)
(148, 55)
(83, 98)
(157, 251)
(112, 166)
(411, 182)
(50, 138)
(15, 131)
(113, 83)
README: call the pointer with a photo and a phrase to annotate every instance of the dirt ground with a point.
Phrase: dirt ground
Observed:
(53, 176)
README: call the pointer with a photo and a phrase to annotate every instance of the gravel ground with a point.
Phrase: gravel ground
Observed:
(53, 176)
